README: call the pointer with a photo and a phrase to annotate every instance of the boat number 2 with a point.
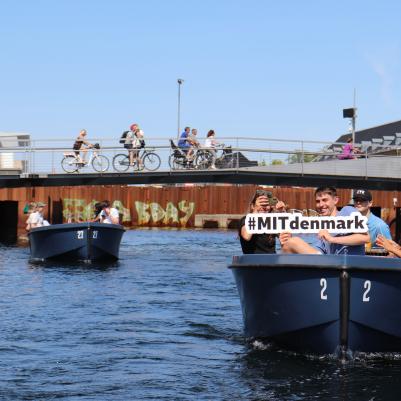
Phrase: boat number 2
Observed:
(367, 286)
(80, 234)
(323, 284)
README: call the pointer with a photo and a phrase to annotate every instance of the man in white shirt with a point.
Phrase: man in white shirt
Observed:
(109, 215)
(36, 218)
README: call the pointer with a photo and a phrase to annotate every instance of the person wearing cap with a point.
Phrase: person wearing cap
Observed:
(363, 201)
(262, 202)
(324, 242)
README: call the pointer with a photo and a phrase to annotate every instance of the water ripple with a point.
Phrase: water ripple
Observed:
(164, 323)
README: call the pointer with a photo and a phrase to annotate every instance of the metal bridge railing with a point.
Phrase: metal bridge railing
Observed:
(277, 155)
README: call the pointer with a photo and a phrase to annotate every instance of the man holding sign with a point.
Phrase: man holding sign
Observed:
(324, 242)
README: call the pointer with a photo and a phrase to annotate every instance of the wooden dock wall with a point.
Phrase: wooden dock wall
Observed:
(168, 205)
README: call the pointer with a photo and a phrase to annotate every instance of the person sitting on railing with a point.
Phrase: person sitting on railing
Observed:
(211, 144)
(349, 151)
(81, 145)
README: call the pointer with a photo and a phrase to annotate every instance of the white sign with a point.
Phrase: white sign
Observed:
(275, 223)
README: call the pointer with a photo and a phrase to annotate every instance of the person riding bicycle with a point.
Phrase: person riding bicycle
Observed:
(81, 145)
(211, 144)
(192, 138)
(133, 142)
(185, 144)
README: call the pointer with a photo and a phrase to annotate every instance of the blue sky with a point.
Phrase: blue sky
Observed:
(251, 68)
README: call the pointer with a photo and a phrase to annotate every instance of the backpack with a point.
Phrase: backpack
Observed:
(123, 136)
(142, 142)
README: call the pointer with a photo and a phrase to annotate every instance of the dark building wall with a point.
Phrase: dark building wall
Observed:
(9, 213)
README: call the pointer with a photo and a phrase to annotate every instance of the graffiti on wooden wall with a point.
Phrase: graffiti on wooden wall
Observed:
(79, 210)
(153, 213)
(149, 213)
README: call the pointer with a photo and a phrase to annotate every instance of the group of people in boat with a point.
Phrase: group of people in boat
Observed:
(35, 215)
(326, 198)
(103, 213)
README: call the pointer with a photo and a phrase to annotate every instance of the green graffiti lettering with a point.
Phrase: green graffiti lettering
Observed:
(68, 205)
(156, 211)
(142, 210)
(171, 214)
(76, 210)
(126, 214)
(188, 210)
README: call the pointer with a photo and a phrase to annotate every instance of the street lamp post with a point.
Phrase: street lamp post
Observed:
(179, 81)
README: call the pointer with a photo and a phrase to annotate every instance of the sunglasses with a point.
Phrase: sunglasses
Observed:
(262, 192)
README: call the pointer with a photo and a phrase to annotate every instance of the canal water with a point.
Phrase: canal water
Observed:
(164, 323)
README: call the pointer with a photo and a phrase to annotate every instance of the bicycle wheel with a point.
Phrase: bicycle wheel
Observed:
(69, 164)
(174, 163)
(203, 160)
(100, 163)
(121, 163)
(151, 161)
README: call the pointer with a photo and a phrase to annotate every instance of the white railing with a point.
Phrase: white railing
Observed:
(265, 154)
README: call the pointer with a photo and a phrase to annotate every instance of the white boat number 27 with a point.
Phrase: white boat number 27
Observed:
(367, 285)
(80, 234)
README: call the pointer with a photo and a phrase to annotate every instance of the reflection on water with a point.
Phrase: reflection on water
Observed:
(163, 323)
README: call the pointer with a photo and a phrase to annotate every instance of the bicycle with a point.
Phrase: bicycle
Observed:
(71, 162)
(149, 161)
(178, 159)
(204, 158)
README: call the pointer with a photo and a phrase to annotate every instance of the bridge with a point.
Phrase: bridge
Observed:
(252, 161)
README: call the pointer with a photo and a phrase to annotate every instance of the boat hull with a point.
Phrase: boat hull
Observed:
(321, 303)
(88, 242)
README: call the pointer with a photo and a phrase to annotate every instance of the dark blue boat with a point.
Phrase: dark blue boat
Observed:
(321, 304)
(86, 242)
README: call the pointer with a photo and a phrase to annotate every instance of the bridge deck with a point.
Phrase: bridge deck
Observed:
(373, 173)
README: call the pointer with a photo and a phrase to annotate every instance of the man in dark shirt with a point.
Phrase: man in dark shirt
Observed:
(262, 202)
